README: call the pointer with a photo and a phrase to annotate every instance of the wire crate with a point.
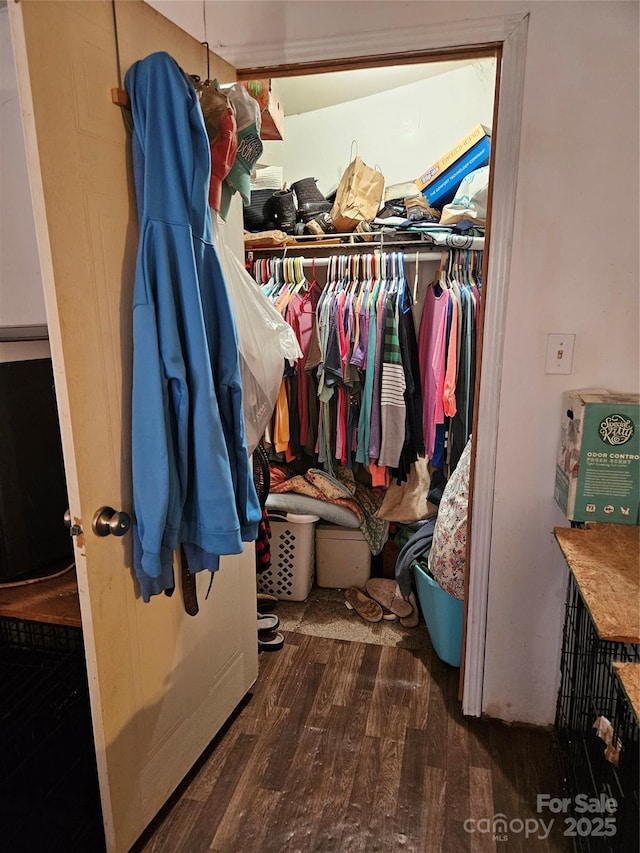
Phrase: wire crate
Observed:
(49, 796)
(626, 729)
(23, 634)
(589, 689)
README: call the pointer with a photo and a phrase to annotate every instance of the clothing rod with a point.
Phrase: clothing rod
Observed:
(410, 258)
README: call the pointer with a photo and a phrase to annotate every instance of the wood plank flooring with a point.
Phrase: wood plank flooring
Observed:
(347, 747)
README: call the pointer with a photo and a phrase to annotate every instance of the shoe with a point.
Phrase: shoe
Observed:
(271, 642)
(364, 606)
(412, 620)
(266, 602)
(267, 622)
(387, 593)
(313, 209)
(285, 213)
(308, 193)
(320, 225)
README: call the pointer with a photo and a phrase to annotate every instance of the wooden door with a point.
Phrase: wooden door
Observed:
(161, 682)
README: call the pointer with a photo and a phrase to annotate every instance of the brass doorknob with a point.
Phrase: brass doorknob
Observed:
(107, 521)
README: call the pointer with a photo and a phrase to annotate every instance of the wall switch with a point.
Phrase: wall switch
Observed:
(559, 353)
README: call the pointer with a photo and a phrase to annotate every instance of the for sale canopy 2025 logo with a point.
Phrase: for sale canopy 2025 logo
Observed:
(616, 429)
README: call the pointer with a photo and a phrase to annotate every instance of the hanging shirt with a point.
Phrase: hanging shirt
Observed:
(375, 431)
(392, 403)
(301, 316)
(449, 392)
(192, 482)
(364, 421)
(431, 345)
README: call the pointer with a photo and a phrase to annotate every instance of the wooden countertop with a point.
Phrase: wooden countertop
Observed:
(629, 676)
(54, 600)
(605, 561)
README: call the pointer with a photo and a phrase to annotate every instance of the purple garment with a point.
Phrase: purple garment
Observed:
(359, 358)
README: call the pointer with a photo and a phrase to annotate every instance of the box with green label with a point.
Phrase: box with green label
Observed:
(598, 465)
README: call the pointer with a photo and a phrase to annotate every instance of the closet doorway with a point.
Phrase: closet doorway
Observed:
(400, 115)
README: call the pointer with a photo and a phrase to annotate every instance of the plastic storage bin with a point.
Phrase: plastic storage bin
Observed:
(343, 558)
(290, 576)
(443, 616)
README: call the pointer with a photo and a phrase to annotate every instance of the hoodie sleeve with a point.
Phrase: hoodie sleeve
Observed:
(160, 407)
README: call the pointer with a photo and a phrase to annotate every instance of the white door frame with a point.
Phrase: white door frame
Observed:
(511, 33)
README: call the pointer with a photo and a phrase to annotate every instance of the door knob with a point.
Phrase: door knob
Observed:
(108, 521)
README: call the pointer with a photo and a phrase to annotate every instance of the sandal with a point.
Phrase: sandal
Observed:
(270, 642)
(387, 593)
(412, 620)
(267, 622)
(364, 606)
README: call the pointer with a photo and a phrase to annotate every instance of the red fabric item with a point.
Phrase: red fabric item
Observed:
(223, 153)
(263, 546)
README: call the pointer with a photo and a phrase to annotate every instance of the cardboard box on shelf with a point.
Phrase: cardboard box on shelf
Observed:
(598, 464)
(453, 154)
(443, 189)
(271, 109)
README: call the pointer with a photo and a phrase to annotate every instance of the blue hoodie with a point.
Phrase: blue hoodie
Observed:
(192, 483)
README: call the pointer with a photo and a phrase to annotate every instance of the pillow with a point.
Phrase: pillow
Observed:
(292, 502)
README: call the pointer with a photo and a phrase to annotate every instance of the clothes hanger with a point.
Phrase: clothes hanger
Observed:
(302, 284)
(415, 279)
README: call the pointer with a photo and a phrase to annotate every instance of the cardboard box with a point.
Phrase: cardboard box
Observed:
(343, 558)
(271, 110)
(443, 189)
(598, 464)
(453, 154)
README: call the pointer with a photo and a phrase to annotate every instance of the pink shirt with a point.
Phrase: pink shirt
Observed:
(431, 355)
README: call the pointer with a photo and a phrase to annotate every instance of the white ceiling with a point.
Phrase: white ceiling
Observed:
(315, 91)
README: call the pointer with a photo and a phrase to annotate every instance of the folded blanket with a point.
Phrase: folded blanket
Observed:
(342, 490)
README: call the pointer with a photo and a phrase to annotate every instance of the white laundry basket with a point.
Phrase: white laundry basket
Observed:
(290, 575)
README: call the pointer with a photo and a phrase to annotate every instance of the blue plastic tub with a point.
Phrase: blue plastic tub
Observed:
(443, 616)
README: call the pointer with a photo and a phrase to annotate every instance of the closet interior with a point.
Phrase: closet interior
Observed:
(372, 421)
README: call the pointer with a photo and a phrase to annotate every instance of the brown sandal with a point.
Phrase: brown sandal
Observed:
(364, 606)
(386, 592)
(412, 620)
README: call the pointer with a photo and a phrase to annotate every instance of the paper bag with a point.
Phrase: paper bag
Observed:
(358, 195)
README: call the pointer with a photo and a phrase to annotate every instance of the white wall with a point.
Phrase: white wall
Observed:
(21, 294)
(574, 269)
(401, 131)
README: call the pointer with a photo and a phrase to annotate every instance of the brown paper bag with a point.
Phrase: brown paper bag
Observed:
(358, 195)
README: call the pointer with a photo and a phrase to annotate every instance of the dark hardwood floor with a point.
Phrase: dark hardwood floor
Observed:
(345, 747)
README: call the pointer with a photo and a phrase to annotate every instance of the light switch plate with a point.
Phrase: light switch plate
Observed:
(559, 353)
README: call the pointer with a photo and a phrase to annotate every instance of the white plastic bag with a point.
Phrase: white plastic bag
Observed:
(470, 201)
(265, 340)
